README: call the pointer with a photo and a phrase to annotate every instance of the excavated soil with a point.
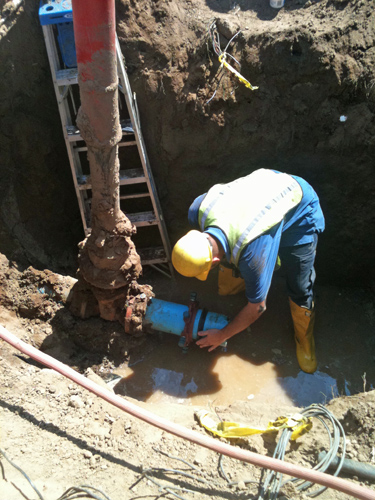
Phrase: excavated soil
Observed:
(313, 115)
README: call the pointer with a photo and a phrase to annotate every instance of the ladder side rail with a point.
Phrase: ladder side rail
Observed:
(125, 82)
(142, 149)
(65, 119)
(153, 193)
(154, 197)
(133, 112)
(81, 194)
(134, 117)
(53, 62)
(146, 162)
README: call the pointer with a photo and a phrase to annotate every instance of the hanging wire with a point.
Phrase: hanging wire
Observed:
(213, 33)
(223, 55)
(215, 39)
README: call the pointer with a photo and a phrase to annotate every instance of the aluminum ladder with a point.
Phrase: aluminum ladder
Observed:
(138, 195)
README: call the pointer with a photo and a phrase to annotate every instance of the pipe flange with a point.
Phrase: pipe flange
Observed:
(135, 310)
(189, 322)
(127, 319)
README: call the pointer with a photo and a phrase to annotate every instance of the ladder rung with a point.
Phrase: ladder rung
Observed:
(74, 135)
(124, 143)
(128, 176)
(84, 182)
(132, 196)
(67, 76)
(143, 219)
(154, 255)
(81, 149)
(126, 127)
(132, 176)
(127, 143)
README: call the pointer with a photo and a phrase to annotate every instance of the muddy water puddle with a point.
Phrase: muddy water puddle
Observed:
(167, 373)
(259, 365)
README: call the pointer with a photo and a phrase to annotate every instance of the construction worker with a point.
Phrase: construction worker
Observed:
(250, 224)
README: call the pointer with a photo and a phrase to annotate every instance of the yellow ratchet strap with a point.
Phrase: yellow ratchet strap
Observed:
(298, 423)
(222, 60)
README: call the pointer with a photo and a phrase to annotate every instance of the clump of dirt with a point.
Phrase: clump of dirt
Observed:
(62, 435)
(32, 293)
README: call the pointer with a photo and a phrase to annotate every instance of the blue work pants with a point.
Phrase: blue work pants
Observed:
(298, 264)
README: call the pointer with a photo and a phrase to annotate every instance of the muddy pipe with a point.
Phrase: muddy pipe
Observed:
(109, 265)
(244, 455)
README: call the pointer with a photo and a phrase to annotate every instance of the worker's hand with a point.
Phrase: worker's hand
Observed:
(211, 338)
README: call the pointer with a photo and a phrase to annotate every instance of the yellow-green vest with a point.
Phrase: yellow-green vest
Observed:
(248, 207)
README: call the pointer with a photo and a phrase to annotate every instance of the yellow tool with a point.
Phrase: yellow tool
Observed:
(222, 60)
(298, 423)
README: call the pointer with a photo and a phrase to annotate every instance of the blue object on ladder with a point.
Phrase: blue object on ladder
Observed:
(59, 12)
(65, 39)
(55, 11)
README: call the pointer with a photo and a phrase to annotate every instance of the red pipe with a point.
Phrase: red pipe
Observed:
(94, 24)
(246, 456)
(108, 261)
(94, 27)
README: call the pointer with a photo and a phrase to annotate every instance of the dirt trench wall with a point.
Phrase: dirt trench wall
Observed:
(313, 63)
(39, 218)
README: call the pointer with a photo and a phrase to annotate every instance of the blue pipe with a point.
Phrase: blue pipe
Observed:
(168, 317)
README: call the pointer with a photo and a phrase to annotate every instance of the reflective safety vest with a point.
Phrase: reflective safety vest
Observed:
(248, 207)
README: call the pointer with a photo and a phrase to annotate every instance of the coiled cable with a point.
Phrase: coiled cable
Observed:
(273, 481)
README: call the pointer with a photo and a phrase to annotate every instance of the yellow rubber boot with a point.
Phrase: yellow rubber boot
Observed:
(303, 320)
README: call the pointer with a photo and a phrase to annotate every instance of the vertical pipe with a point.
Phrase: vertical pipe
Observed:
(98, 117)
(108, 261)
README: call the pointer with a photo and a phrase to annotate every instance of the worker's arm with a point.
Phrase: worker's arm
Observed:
(214, 337)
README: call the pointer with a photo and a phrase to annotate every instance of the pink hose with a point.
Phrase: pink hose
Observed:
(246, 456)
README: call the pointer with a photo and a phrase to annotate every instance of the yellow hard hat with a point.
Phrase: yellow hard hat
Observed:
(192, 255)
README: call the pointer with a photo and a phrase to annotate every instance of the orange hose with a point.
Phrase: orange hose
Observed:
(246, 456)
